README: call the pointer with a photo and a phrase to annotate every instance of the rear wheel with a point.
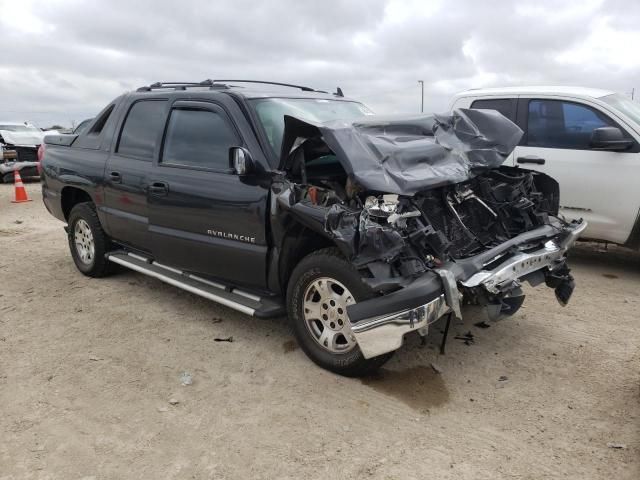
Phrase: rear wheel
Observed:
(87, 241)
(321, 287)
(7, 178)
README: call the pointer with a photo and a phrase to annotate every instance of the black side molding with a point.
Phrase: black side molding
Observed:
(419, 292)
(531, 159)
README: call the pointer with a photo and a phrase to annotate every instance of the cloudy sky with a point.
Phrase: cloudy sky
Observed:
(63, 60)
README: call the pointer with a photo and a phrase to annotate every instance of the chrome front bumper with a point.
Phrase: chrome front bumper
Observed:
(385, 333)
(524, 263)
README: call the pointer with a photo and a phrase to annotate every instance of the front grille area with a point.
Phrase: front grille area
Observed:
(27, 154)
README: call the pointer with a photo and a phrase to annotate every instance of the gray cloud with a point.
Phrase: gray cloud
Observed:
(62, 60)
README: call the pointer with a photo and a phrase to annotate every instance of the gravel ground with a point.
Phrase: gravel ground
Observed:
(90, 382)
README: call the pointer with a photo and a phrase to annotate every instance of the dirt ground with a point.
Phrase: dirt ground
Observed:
(88, 368)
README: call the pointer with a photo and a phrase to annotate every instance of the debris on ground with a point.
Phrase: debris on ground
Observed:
(617, 446)
(216, 320)
(94, 358)
(467, 338)
(482, 324)
(163, 409)
(502, 381)
(174, 401)
(186, 379)
(223, 339)
(18, 222)
(436, 368)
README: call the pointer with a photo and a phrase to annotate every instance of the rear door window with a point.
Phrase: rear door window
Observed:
(142, 128)
(506, 106)
(199, 138)
(563, 124)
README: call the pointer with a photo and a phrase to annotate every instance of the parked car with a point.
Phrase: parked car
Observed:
(588, 140)
(362, 229)
(23, 140)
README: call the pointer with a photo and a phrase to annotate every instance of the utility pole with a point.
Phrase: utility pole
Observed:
(421, 82)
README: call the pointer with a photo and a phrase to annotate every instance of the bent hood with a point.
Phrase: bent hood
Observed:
(30, 139)
(408, 155)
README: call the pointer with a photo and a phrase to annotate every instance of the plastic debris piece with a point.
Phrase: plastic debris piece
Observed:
(186, 379)
(617, 446)
(223, 339)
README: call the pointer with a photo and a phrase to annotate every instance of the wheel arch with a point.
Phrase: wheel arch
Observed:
(70, 196)
(298, 242)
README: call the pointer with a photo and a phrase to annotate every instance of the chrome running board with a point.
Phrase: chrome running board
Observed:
(234, 298)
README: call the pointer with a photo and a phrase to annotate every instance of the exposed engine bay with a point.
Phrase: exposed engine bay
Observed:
(406, 236)
(427, 200)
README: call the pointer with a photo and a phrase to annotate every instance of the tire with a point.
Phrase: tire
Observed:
(87, 241)
(7, 178)
(327, 271)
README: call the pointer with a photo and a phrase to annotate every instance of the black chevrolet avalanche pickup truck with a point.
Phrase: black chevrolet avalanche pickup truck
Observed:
(271, 199)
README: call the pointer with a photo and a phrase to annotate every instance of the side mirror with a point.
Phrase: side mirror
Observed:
(240, 160)
(609, 138)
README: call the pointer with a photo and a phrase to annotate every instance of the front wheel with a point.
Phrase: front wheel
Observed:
(87, 241)
(321, 287)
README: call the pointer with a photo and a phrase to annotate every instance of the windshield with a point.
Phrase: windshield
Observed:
(18, 128)
(627, 106)
(271, 112)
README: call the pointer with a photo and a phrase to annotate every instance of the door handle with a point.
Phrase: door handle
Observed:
(115, 177)
(531, 159)
(159, 188)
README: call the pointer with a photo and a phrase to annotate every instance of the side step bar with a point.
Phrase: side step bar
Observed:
(234, 298)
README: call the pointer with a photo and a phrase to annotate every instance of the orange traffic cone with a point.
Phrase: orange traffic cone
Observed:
(20, 192)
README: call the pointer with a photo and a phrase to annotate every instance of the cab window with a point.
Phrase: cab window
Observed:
(506, 106)
(198, 138)
(141, 129)
(562, 124)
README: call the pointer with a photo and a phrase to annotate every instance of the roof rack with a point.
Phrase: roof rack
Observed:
(178, 85)
(223, 84)
(304, 89)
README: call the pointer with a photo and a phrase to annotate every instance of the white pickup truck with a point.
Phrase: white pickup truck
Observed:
(588, 140)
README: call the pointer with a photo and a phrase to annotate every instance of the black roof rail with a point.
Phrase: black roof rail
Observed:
(219, 84)
(177, 85)
(304, 89)
(338, 92)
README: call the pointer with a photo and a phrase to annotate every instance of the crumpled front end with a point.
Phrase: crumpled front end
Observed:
(470, 243)
(428, 216)
(379, 325)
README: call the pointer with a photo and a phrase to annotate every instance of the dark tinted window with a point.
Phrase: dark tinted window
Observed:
(199, 138)
(141, 128)
(502, 105)
(559, 124)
